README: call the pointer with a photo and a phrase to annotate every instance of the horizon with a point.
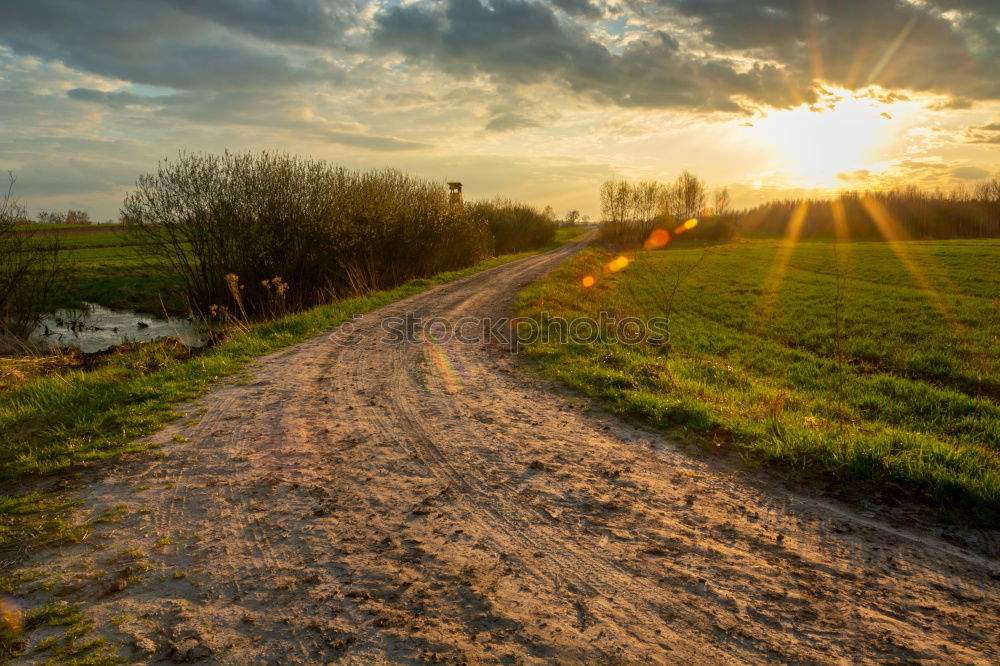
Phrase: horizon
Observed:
(537, 101)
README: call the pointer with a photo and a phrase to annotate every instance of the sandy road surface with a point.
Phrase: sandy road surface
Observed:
(381, 503)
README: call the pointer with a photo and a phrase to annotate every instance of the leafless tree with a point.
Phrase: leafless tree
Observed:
(29, 267)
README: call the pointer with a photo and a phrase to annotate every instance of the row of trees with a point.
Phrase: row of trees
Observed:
(907, 212)
(631, 211)
(69, 217)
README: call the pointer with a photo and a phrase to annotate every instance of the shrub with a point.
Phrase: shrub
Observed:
(515, 227)
(29, 268)
(322, 230)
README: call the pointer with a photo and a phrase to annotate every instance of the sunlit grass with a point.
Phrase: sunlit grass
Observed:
(920, 412)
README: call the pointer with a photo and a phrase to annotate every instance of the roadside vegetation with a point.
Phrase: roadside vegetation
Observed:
(514, 227)
(352, 241)
(258, 235)
(874, 366)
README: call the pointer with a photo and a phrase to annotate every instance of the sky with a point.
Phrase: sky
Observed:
(538, 100)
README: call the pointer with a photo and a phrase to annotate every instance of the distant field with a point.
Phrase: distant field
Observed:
(106, 268)
(911, 407)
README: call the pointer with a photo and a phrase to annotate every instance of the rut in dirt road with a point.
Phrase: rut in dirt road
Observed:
(375, 502)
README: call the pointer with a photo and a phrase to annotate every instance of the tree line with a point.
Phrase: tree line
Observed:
(630, 211)
(900, 213)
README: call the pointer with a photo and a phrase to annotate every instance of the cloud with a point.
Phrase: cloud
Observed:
(988, 133)
(699, 55)
(857, 43)
(952, 104)
(163, 43)
(241, 108)
(969, 173)
(855, 176)
(918, 165)
(298, 22)
(519, 42)
(582, 8)
(372, 142)
(115, 100)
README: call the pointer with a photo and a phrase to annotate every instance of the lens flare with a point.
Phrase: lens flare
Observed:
(658, 238)
(687, 226)
(588, 281)
(11, 615)
(616, 264)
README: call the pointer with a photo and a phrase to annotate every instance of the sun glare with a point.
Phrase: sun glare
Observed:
(817, 145)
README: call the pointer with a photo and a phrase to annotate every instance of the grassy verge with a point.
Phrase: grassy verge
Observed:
(60, 421)
(895, 390)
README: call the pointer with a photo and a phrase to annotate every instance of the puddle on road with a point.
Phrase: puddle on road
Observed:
(98, 328)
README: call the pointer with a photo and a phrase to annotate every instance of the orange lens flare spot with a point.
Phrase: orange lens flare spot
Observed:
(11, 616)
(588, 281)
(658, 238)
(687, 226)
(616, 264)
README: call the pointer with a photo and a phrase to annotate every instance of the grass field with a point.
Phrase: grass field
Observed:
(895, 390)
(107, 268)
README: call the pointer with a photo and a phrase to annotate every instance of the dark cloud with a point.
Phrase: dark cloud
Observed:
(855, 43)
(518, 41)
(794, 47)
(699, 55)
(158, 43)
(303, 22)
(582, 8)
(115, 100)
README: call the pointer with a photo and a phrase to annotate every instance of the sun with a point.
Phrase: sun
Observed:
(843, 135)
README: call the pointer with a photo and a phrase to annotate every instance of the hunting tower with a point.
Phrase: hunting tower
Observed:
(455, 195)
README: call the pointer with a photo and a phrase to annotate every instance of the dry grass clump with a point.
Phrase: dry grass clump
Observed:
(16, 369)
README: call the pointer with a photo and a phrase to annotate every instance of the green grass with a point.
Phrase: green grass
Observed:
(55, 422)
(106, 268)
(752, 363)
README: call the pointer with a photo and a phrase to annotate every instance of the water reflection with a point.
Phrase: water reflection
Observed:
(97, 328)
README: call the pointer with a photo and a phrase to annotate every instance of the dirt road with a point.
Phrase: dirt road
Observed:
(378, 502)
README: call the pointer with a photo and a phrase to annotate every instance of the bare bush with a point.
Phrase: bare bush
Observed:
(321, 230)
(515, 227)
(30, 268)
